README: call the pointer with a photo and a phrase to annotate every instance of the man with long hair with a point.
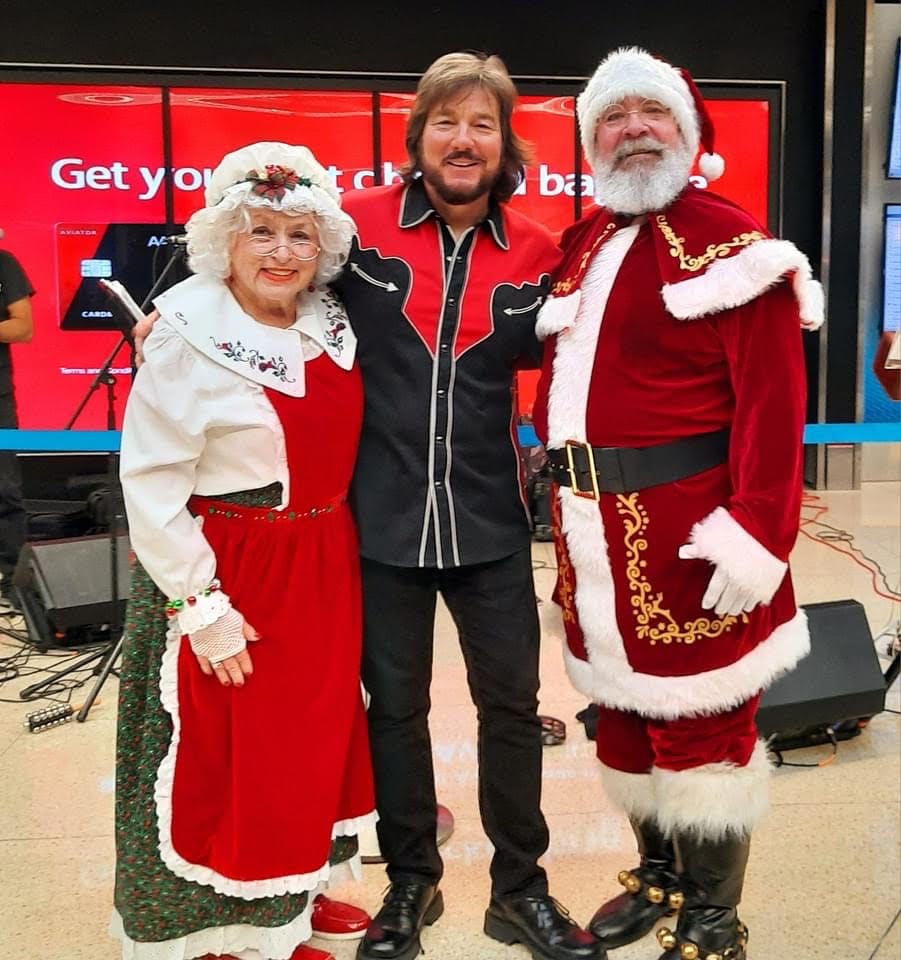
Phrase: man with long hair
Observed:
(443, 289)
(672, 405)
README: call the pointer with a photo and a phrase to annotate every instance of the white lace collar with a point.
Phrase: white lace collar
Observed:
(206, 314)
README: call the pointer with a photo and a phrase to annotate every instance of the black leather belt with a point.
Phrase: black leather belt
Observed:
(591, 471)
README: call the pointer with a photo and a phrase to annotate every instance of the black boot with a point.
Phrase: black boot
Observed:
(713, 874)
(652, 891)
(393, 933)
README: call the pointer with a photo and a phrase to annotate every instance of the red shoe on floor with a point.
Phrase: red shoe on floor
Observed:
(303, 952)
(333, 920)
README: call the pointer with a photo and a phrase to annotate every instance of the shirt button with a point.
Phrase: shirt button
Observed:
(439, 439)
(444, 346)
(439, 484)
(442, 393)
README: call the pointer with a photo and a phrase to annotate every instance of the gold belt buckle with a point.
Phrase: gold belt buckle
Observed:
(594, 493)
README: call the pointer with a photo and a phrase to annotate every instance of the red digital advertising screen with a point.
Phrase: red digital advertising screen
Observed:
(78, 160)
(208, 123)
(92, 190)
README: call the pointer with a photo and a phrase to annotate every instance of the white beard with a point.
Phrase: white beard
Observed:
(644, 188)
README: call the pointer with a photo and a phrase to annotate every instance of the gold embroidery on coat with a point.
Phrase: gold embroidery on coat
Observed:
(655, 622)
(564, 286)
(566, 581)
(713, 251)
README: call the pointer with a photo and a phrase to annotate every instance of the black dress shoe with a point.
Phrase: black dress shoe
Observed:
(542, 926)
(393, 933)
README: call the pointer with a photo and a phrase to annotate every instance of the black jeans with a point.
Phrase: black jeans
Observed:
(12, 512)
(493, 607)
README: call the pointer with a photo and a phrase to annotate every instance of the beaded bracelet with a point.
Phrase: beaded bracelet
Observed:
(174, 606)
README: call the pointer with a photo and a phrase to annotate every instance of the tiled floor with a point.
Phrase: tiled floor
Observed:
(824, 873)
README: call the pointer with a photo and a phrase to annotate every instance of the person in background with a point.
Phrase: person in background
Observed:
(887, 363)
(672, 405)
(443, 288)
(15, 327)
(243, 772)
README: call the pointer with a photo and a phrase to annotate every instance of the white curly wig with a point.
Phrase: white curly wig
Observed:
(230, 196)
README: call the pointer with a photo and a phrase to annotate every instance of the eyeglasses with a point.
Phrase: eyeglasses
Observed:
(299, 249)
(616, 116)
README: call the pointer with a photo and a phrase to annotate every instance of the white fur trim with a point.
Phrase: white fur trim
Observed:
(557, 314)
(723, 541)
(631, 71)
(633, 793)
(715, 800)
(271, 943)
(576, 346)
(811, 300)
(609, 679)
(197, 873)
(711, 165)
(740, 279)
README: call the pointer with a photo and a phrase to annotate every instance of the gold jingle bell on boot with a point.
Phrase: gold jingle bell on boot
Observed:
(633, 914)
(687, 950)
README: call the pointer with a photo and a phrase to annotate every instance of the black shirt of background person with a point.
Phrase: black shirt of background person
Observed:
(14, 285)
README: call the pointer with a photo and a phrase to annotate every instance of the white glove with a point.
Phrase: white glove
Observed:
(723, 595)
(223, 638)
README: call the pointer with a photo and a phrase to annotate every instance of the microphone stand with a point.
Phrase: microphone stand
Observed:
(105, 377)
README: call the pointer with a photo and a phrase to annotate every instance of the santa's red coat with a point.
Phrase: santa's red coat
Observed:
(684, 324)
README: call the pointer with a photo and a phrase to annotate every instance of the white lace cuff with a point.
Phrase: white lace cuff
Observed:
(196, 612)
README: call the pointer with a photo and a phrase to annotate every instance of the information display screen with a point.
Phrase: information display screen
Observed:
(891, 269)
(99, 178)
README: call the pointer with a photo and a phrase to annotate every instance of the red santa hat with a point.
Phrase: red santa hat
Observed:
(631, 71)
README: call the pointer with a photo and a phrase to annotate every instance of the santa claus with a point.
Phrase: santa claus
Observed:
(672, 405)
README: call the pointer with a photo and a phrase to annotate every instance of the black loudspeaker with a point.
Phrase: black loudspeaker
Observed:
(64, 588)
(839, 680)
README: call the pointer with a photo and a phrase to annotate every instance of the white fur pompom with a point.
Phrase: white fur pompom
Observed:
(711, 165)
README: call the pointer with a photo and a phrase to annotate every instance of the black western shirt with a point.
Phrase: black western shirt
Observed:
(442, 325)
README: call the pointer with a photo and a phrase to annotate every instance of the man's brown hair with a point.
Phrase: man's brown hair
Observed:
(456, 74)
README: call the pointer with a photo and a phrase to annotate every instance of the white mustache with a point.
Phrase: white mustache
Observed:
(642, 145)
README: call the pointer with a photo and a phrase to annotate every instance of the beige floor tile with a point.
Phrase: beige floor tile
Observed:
(55, 899)
(890, 947)
(824, 878)
(842, 858)
(64, 780)
(11, 728)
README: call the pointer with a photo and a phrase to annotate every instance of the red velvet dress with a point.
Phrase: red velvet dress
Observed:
(260, 778)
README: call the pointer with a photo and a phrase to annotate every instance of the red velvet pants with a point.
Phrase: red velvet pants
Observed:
(631, 743)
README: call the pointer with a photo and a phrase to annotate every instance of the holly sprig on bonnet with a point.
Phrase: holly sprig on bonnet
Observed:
(277, 180)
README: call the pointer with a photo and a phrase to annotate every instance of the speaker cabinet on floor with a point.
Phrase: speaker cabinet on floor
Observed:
(65, 588)
(840, 679)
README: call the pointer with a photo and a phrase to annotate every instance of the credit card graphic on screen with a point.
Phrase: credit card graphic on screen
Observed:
(135, 254)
